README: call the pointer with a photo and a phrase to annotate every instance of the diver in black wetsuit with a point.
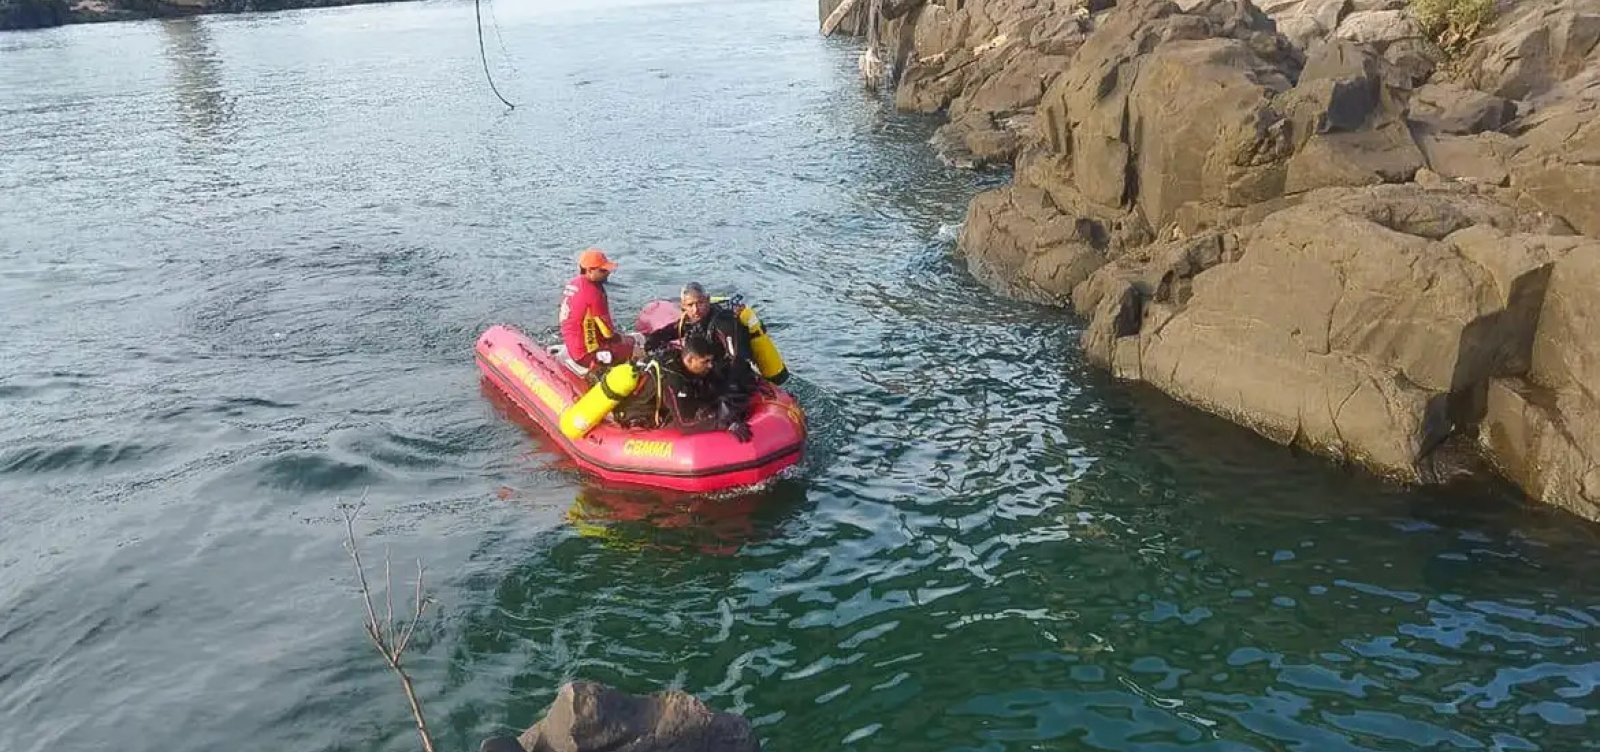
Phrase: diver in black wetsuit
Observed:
(716, 322)
(694, 388)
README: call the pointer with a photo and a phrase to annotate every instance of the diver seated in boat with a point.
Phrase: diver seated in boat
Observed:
(693, 388)
(717, 322)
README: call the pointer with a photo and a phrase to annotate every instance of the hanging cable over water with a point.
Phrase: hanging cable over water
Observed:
(505, 53)
(477, 10)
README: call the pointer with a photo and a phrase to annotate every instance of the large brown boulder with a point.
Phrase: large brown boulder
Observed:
(1533, 439)
(1201, 127)
(1480, 159)
(1446, 107)
(976, 139)
(1316, 335)
(1305, 22)
(1174, 122)
(1030, 249)
(1538, 424)
(1379, 27)
(1557, 168)
(1397, 36)
(590, 717)
(1317, 241)
(984, 63)
(1534, 47)
(1153, 82)
(1372, 325)
(1386, 153)
(1350, 126)
(1162, 109)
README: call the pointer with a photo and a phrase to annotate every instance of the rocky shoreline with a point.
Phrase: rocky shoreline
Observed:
(39, 14)
(1365, 228)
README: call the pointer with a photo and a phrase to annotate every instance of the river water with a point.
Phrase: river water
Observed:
(242, 264)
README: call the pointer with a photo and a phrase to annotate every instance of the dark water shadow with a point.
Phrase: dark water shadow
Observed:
(711, 526)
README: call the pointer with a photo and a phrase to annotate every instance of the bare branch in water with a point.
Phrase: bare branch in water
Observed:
(382, 639)
(416, 616)
(388, 595)
(361, 572)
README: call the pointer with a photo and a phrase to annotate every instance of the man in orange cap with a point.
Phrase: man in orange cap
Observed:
(586, 327)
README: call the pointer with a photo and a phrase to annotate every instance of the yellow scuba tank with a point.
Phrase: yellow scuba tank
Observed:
(762, 350)
(615, 386)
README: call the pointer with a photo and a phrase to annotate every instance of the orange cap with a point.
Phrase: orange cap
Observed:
(594, 258)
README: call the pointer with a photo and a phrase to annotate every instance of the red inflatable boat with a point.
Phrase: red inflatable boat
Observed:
(541, 383)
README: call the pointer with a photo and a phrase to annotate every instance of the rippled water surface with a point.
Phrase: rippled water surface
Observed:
(242, 264)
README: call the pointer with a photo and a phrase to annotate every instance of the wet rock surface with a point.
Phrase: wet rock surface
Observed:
(1299, 214)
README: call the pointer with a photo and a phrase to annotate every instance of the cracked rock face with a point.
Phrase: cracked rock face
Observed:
(1339, 323)
(1287, 214)
(986, 64)
(1557, 167)
(1035, 252)
(1372, 324)
(1445, 107)
(1538, 422)
(1535, 48)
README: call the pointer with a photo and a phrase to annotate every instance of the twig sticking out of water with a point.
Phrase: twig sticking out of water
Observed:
(477, 10)
(382, 634)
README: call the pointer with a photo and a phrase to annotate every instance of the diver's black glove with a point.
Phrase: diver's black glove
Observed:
(740, 431)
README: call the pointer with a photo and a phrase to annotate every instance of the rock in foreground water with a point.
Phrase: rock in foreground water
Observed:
(590, 717)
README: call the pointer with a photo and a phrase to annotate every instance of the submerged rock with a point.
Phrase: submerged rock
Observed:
(591, 717)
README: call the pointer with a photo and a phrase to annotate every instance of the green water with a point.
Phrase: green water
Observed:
(242, 264)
